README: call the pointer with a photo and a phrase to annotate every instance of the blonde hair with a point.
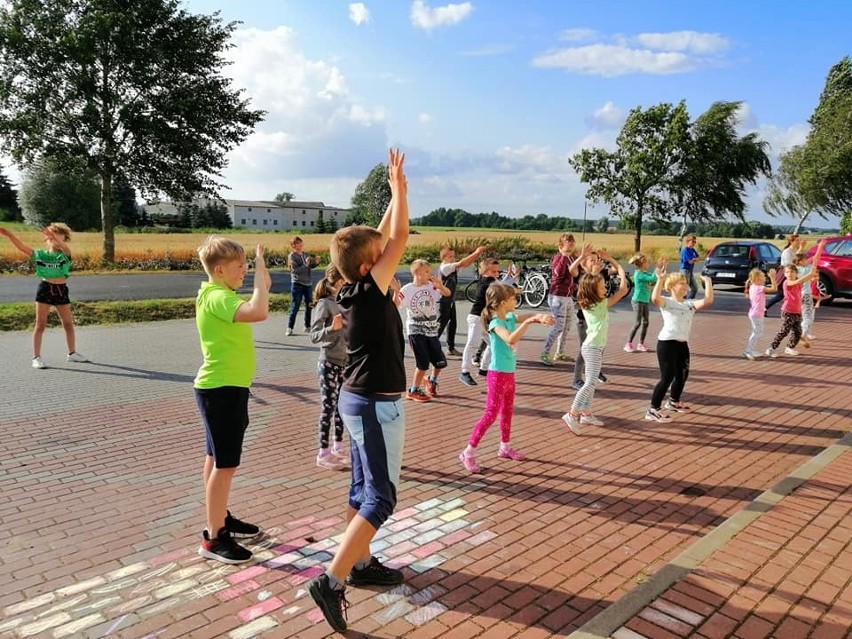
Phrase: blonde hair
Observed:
(323, 288)
(756, 276)
(496, 294)
(60, 228)
(566, 237)
(217, 249)
(672, 279)
(351, 248)
(487, 263)
(416, 265)
(588, 291)
(639, 259)
(296, 240)
(446, 249)
(689, 238)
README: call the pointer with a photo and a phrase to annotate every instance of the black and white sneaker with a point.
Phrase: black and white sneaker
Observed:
(375, 574)
(467, 378)
(240, 529)
(602, 379)
(223, 548)
(332, 602)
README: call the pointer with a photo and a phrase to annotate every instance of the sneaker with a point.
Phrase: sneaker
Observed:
(790, 351)
(750, 356)
(603, 379)
(432, 387)
(591, 420)
(453, 353)
(677, 407)
(289, 332)
(338, 451)
(223, 548)
(76, 357)
(467, 378)
(375, 574)
(469, 463)
(641, 348)
(805, 342)
(483, 372)
(477, 359)
(331, 462)
(546, 359)
(654, 415)
(508, 452)
(562, 357)
(577, 384)
(37, 363)
(240, 529)
(572, 423)
(332, 602)
(810, 336)
(770, 353)
(417, 395)
(629, 348)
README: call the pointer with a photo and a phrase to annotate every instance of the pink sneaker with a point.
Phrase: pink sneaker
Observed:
(628, 347)
(469, 463)
(510, 453)
(641, 348)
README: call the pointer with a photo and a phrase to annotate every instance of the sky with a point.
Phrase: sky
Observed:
(489, 98)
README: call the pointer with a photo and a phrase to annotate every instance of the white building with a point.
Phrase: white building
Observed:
(266, 216)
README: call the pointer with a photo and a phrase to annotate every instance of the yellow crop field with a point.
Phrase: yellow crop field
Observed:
(141, 245)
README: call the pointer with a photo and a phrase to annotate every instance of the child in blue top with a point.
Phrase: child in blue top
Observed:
(688, 257)
(643, 282)
(52, 266)
(505, 330)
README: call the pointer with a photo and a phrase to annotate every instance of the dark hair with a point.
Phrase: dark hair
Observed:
(323, 287)
(587, 290)
(496, 294)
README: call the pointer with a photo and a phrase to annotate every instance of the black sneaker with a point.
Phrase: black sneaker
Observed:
(240, 529)
(467, 378)
(332, 602)
(375, 574)
(483, 372)
(223, 548)
(603, 379)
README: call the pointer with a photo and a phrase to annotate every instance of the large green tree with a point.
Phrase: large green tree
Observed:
(54, 193)
(132, 87)
(635, 179)
(371, 198)
(9, 209)
(788, 192)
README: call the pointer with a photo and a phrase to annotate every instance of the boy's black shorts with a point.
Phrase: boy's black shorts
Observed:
(53, 294)
(224, 411)
(427, 351)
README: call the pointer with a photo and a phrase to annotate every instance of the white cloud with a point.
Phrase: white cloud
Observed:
(488, 50)
(783, 138)
(358, 13)
(425, 17)
(614, 60)
(579, 35)
(608, 116)
(692, 41)
(424, 118)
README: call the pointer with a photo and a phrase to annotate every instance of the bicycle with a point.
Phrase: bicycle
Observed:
(533, 283)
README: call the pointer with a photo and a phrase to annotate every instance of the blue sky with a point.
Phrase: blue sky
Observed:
(489, 98)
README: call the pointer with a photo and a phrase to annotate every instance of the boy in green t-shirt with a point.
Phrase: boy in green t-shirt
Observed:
(222, 384)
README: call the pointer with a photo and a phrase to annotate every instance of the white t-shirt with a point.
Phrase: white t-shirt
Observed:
(677, 319)
(421, 308)
(787, 256)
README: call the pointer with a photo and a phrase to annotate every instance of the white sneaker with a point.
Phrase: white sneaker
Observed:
(77, 357)
(331, 462)
(654, 415)
(591, 420)
(750, 356)
(790, 351)
(289, 332)
(341, 454)
(629, 348)
(572, 423)
(811, 337)
(770, 353)
(37, 363)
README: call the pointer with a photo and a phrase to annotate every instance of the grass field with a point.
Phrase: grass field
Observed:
(140, 245)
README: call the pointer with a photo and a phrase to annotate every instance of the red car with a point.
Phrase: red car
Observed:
(835, 267)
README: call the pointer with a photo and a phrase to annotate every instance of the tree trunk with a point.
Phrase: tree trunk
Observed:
(637, 225)
(106, 217)
(799, 224)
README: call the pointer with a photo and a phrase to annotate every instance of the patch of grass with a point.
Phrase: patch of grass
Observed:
(20, 316)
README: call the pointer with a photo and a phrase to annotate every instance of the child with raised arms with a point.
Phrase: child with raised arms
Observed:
(756, 290)
(791, 311)
(643, 282)
(505, 329)
(449, 270)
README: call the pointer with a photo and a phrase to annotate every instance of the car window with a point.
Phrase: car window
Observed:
(842, 249)
(769, 253)
(731, 250)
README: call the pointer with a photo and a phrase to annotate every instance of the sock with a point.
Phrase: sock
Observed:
(504, 445)
(334, 582)
(432, 378)
(469, 451)
(360, 565)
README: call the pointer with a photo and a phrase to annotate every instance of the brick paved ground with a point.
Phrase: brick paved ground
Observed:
(102, 502)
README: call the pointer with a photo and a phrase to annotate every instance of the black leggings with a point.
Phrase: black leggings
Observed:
(673, 357)
(447, 320)
(642, 320)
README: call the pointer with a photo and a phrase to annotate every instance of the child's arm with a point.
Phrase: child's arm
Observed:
(395, 222)
(574, 269)
(524, 321)
(320, 327)
(23, 248)
(257, 308)
(707, 300)
(58, 242)
(470, 259)
(657, 298)
(807, 278)
(622, 278)
(436, 282)
(772, 287)
(395, 285)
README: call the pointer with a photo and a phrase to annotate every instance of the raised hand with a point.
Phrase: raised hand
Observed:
(259, 259)
(662, 267)
(337, 322)
(396, 175)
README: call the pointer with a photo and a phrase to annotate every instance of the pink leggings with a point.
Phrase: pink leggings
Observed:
(500, 400)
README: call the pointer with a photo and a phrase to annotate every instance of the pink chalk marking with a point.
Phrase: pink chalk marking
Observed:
(402, 524)
(245, 575)
(300, 522)
(305, 575)
(285, 548)
(298, 534)
(325, 523)
(482, 537)
(172, 556)
(403, 514)
(316, 616)
(399, 549)
(428, 549)
(243, 588)
(453, 538)
(401, 561)
(258, 610)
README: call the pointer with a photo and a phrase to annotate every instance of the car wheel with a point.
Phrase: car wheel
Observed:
(826, 288)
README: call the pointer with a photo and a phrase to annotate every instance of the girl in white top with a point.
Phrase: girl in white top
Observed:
(672, 343)
(794, 245)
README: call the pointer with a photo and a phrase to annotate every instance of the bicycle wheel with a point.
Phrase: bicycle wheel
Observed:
(535, 289)
(470, 291)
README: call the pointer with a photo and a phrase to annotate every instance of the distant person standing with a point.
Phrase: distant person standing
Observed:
(449, 270)
(300, 264)
(688, 257)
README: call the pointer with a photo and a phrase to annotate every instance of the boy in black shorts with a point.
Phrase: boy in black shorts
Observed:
(370, 400)
(222, 384)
